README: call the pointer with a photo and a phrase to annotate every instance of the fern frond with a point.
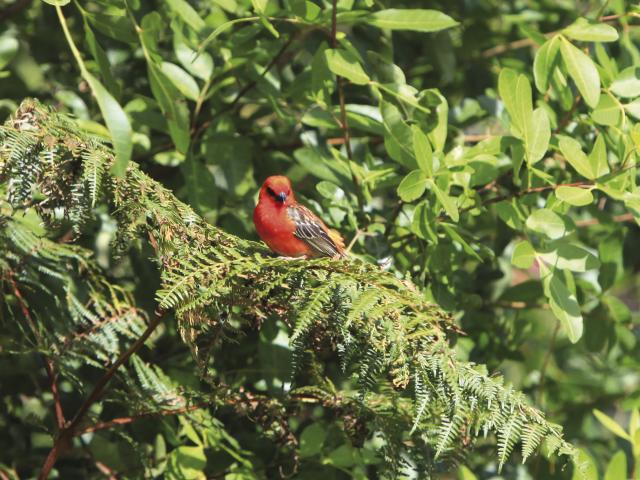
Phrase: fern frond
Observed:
(219, 285)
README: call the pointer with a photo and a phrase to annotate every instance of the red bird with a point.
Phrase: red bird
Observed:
(290, 229)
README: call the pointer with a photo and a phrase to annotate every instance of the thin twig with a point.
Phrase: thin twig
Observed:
(68, 432)
(126, 420)
(522, 193)
(528, 42)
(246, 89)
(625, 217)
(343, 109)
(334, 24)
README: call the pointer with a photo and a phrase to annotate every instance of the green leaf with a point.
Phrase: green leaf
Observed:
(537, 138)
(412, 186)
(627, 83)
(547, 222)
(223, 28)
(423, 222)
(346, 64)
(187, 462)
(608, 112)
(524, 112)
(181, 80)
(587, 31)
(585, 467)
(8, 49)
(419, 20)
(60, 3)
(422, 151)
(305, 9)
(583, 72)
(465, 474)
(572, 151)
(445, 200)
(344, 456)
(617, 468)
(173, 106)
(507, 82)
(564, 306)
(567, 256)
(187, 13)
(259, 5)
(312, 440)
(633, 108)
(544, 63)
(118, 27)
(598, 158)
(398, 136)
(102, 60)
(523, 255)
(576, 196)
(200, 65)
(611, 425)
(511, 214)
(438, 135)
(268, 25)
(117, 123)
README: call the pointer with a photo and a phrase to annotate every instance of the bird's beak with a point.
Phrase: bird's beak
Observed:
(282, 197)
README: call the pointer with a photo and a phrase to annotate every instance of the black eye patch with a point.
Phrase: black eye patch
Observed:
(272, 193)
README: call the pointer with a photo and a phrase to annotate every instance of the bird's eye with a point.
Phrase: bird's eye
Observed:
(271, 192)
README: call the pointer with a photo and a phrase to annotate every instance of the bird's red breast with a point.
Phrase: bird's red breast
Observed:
(290, 229)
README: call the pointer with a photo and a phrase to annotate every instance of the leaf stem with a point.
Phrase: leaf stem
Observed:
(72, 45)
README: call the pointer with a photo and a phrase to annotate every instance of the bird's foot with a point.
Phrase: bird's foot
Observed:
(289, 258)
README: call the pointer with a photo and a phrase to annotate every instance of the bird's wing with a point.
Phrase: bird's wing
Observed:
(310, 229)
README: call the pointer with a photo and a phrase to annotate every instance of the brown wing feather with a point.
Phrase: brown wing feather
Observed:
(310, 229)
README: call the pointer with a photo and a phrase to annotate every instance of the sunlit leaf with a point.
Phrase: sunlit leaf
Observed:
(412, 186)
(411, 19)
(544, 63)
(583, 72)
(575, 195)
(344, 63)
(587, 31)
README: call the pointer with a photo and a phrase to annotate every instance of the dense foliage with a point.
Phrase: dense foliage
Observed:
(480, 159)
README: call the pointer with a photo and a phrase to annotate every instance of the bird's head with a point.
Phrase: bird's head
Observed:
(277, 190)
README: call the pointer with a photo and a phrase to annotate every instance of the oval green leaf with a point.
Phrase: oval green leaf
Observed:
(564, 306)
(422, 151)
(181, 80)
(576, 196)
(523, 255)
(117, 123)
(586, 31)
(544, 63)
(419, 20)
(412, 186)
(611, 425)
(346, 64)
(583, 72)
(548, 223)
(572, 151)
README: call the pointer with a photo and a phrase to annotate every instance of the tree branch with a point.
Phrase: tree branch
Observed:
(126, 420)
(68, 432)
